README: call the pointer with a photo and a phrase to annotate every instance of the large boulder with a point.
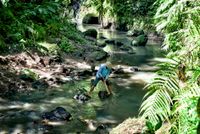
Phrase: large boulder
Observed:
(91, 33)
(141, 40)
(135, 32)
(98, 55)
(90, 19)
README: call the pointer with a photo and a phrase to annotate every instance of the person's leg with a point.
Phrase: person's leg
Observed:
(93, 85)
(108, 87)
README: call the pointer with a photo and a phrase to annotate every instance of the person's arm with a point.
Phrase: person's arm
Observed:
(108, 73)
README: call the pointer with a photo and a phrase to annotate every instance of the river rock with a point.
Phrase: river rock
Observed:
(98, 55)
(141, 40)
(81, 97)
(118, 71)
(135, 69)
(101, 129)
(103, 95)
(101, 44)
(90, 19)
(91, 33)
(58, 114)
(135, 32)
(108, 41)
(126, 48)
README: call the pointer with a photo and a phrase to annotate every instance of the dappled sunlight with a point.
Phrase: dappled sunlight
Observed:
(52, 47)
(143, 77)
(156, 59)
(107, 119)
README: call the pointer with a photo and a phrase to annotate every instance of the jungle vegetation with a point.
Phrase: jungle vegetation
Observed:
(173, 95)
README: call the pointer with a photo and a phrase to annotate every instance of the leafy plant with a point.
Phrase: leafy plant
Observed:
(66, 46)
(172, 95)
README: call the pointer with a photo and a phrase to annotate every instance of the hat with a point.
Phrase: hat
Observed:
(108, 64)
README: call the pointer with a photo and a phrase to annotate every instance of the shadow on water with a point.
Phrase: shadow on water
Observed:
(20, 115)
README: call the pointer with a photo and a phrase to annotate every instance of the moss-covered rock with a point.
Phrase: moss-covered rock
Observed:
(91, 33)
(28, 75)
(141, 40)
(90, 19)
(135, 32)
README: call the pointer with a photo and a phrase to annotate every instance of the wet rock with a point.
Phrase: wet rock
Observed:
(119, 43)
(40, 84)
(85, 73)
(98, 55)
(110, 41)
(90, 19)
(135, 69)
(126, 48)
(141, 40)
(135, 32)
(118, 71)
(103, 95)
(101, 129)
(58, 114)
(131, 51)
(81, 97)
(101, 44)
(91, 33)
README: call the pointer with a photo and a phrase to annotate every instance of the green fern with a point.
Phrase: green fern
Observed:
(169, 97)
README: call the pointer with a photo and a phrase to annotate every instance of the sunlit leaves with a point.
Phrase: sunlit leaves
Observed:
(179, 20)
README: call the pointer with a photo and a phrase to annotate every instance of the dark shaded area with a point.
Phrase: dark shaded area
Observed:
(90, 19)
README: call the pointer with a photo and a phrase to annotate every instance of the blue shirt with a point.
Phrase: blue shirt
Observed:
(103, 72)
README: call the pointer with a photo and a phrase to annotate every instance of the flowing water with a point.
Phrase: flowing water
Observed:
(17, 116)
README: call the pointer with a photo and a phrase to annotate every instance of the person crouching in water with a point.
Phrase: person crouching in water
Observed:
(102, 74)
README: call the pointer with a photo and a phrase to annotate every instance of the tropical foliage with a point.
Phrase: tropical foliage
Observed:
(172, 96)
(24, 23)
(137, 13)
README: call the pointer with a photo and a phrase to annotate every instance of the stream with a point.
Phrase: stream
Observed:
(17, 116)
